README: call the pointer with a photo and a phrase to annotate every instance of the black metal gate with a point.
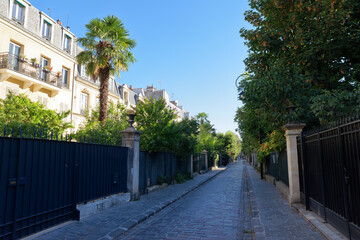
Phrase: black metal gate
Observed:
(41, 181)
(329, 163)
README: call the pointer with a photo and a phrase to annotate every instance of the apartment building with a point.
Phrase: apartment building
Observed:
(38, 58)
(150, 91)
(36, 55)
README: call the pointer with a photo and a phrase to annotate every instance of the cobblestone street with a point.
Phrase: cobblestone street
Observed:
(234, 205)
(211, 212)
(230, 204)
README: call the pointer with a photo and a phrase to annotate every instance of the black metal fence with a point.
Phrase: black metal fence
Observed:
(329, 163)
(41, 181)
(199, 162)
(277, 167)
(156, 168)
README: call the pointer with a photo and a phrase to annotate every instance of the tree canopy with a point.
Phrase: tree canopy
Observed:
(301, 53)
(108, 132)
(19, 111)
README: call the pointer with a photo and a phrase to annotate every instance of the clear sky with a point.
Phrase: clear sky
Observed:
(192, 46)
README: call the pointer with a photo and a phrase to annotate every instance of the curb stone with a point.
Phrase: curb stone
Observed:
(137, 220)
(319, 224)
(324, 228)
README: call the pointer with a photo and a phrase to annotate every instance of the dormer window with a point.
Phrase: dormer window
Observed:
(46, 32)
(67, 43)
(111, 84)
(18, 12)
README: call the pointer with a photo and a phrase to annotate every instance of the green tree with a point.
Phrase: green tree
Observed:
(301, 53)
(19, 111)
(184, 134)
(202, 118)
(155, 120)
(107, 51)
(109, 132)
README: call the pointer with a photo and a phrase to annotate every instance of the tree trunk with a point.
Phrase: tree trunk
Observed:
(104, 74)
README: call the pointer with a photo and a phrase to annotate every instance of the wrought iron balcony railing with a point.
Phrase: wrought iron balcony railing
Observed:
(23, 66)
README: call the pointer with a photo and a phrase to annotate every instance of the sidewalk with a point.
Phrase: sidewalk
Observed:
(114, 221)
(274, 218)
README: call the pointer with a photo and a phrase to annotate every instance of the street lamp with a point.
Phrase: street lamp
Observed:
(236, 81)
(291, 109)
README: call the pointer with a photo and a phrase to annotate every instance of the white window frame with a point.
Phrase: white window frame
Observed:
(15, 12)
(46, 31)
(65, 74)
(84, 103)
(67, 43)
(44, 18)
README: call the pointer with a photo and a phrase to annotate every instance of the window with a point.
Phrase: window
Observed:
(14, 52)
(111, 85)
(81, 70)
(126, 98)
(43, 100)
(84, 103)
(18, 12)
(46, 33)
(67, 43)
(44, 64)
(65, 77)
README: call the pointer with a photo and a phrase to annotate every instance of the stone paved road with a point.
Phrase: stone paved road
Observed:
(272, 217)
(211, 212)
(234, 205)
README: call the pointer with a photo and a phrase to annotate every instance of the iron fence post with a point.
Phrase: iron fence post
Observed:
(322, 174)
(345, 192)
(304, 170)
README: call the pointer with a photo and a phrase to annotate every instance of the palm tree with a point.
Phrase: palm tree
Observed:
(107, 51)
(202, 118)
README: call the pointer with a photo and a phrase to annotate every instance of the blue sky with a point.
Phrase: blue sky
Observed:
(192, 46)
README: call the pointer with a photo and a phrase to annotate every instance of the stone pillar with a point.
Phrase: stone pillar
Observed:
(131, 139)
(206, 159)
(291, 132)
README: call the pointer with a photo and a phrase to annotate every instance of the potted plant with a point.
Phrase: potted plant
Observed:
(22, 58)
(58, 73)
(46, 69)
(34, 62)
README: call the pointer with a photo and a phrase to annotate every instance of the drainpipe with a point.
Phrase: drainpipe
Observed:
(72, 94)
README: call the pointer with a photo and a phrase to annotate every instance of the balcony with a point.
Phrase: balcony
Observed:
(29, 75)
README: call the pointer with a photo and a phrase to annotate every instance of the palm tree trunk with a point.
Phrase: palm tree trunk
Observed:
(104, 74)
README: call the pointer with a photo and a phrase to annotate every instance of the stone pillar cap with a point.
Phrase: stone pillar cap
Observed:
(294, 126)
(130, 129)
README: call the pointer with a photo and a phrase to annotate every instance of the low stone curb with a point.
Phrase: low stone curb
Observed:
(328, 231)
(140, 218)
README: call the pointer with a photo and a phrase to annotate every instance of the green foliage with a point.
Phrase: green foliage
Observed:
(155, 120)
(19, 111)
(301, 53)
(332, 105)
(275, 141)
(227, 145)
(184, 138)
(161, 179)
(107, 51)
(108, 131)
(181, 178)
